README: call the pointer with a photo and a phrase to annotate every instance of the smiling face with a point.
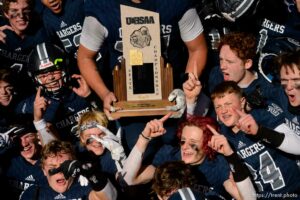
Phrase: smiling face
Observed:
(51, 80)
(225, 108)
(191, 145)
(91, 144)
(57, 181)
(18, 15)
(290, 80)
(29, 146)
(54, 5)
(6, 93)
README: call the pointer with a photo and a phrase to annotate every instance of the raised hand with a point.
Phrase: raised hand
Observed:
(112, 143)
(219, 142)
(83, 90)
(40, 105)
(7, 137)
(192, 87)
(155, 127)
(2, 34)
(246, 123)
(70, 168)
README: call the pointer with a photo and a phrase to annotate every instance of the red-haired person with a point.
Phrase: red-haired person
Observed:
(212, 170)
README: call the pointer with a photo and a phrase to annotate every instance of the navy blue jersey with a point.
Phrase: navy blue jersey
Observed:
(216, 77)
(273, 171)
(66, 26)
(290, 119)
(21, 174)
(107, 12)
(15, 52)
(63, 114)
(288, 28)
(211, 174)
(269, 112)
(75, 192)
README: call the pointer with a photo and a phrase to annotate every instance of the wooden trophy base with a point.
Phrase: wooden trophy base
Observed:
(141, 108)
(147, 107)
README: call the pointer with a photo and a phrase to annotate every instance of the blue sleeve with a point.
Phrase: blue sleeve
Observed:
(25, 106)
(29, 193)
(166, 153)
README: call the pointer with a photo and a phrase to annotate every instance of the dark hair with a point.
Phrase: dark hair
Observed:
(201, 123)
(172, 176)
(7, 76)
(288, 60)
(5, 4)
(244, 44)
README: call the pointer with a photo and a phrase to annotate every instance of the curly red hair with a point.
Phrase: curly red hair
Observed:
(201, 123)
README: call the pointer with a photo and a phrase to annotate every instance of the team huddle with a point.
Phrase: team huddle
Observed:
(232, 133)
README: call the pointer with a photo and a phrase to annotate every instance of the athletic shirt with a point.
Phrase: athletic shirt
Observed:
(75, 192)
(273, 171)
(290, 28)
(15, 52)
(63, 114)
(211, 174)
(22, 174)
(107, 12)
(67, 26)
(290, 119)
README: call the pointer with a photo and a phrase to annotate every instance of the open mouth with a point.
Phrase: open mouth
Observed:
(226, 76)
(26, 149)
(292, 98)
(187, 154)
(61, 181)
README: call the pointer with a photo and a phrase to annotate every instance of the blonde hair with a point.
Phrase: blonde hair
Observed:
(92, 116)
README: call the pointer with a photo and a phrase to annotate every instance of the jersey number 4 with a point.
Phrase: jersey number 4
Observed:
(268, 171)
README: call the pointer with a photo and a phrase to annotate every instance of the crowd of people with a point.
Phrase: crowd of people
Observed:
(236, 132)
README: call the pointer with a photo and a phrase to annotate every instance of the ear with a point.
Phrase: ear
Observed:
(248, 63)
(6, 15)
(44, 171)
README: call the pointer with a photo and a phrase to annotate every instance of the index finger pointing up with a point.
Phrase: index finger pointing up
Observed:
(239, 112)
(212, 130)
(38, 92)
(164, 118)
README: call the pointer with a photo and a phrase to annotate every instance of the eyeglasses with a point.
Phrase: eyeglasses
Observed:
(13, 13)
(192, 145)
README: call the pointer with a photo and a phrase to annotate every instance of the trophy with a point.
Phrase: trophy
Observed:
(143, 81)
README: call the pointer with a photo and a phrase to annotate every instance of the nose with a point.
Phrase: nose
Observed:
(21, 14)
(24, 142)
(290, 85)
(2, 91)
(184, 145)
(223, 64)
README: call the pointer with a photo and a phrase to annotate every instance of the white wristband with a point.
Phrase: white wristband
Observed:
(39, 125)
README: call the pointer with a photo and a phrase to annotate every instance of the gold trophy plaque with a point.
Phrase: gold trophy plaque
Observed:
(143, 81)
